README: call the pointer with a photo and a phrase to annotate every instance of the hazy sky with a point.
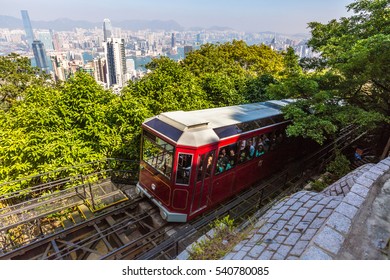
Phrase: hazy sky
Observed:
(289, 16)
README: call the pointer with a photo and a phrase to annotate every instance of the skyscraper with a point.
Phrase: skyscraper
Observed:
(173, 41)
(45, 37)
(40, 55)
(107, 29)
(27, 27)
(114, 50)
(100, 70)
(187, 49)
(56, 42)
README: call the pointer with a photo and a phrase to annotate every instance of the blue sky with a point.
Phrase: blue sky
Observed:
(286, 16)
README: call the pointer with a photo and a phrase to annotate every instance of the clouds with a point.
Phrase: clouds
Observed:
(245, 15)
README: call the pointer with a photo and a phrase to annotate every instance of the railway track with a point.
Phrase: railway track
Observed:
(134, 230)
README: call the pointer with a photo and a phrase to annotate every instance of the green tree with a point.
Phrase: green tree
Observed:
(357, 48)
(291, 63)
(354, 88)
(234, 73)
(56, 127)
(127, 115)
(168, 87)
(16, 75)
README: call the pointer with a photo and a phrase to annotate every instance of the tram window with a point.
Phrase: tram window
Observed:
(276, 138)
(278, 119)
(247, 149)
(248, 126)
(200, 168)
(157, 153)
(227, 158)
(183, 172)
(265, 142)
(209, 166)
(202, 164)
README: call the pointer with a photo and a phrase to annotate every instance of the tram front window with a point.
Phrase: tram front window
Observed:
(157, 153)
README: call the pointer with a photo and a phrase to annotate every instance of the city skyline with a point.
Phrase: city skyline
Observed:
(246, 15)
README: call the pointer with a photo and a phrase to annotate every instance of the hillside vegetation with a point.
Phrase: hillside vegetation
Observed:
(46, 125)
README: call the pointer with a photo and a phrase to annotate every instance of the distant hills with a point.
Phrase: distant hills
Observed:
(65, 24)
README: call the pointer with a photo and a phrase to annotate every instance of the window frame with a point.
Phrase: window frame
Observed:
(190, 168)
(226, 147)
(146, 136)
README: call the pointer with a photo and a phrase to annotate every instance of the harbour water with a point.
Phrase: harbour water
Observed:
(141, 61)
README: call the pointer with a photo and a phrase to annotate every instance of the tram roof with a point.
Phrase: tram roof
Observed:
(200, 127)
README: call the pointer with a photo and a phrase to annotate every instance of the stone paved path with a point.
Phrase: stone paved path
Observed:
(311, 225)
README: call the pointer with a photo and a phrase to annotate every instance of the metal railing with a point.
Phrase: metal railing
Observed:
(21, 190)
(49, 193)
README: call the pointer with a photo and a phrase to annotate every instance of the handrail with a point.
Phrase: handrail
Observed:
(104, 168)
(104, 160)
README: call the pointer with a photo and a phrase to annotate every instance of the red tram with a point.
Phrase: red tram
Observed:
(190, 161)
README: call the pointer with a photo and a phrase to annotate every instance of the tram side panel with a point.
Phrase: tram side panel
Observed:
(155, 183)
(252, 171)
(222, 187)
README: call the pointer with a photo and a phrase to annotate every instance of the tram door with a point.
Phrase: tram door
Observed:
(203, 181)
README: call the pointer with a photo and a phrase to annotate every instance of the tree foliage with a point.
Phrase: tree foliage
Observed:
(16, 75)
(234, 73)
(354, 85)
(44, 125)
(168, 87)
(55, 127)
(357, 48)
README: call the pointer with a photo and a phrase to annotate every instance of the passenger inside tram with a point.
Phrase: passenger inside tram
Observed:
(266, 142)
(232, 158)
(222, 161)
(260, 150)
(209, 164)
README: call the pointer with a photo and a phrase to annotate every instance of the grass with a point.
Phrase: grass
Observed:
(224, 239)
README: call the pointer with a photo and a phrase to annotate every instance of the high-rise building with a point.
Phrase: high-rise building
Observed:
(187, 49)
(56, 42)
(114, 50)
(107, 29)
(173, 41)
(40, 55)
(198, 39)
(100, 69)
(130, 65)
(46, 38)
(27, 27)
(58, 70)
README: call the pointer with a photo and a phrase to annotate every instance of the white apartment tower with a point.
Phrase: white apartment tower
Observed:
(114, 51)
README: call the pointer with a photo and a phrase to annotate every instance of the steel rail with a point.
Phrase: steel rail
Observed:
(83, 243)
(42, 240)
